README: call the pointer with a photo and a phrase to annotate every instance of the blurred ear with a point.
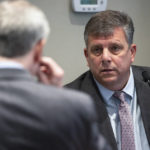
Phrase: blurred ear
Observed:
(36, 55)
(38, 50)
(133, 52)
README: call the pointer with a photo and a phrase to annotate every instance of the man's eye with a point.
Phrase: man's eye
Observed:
(115, 48)
(97, 51)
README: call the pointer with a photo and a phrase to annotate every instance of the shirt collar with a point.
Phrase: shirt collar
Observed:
(10, 64)
(129, 88)
(107, 94)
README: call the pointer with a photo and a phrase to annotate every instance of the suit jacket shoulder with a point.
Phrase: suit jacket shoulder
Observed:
(35, 116)
(138, 70)
(83, 82)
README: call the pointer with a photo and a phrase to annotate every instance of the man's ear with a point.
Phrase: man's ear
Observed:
(85, 53)
(38, 50)
(133, 51)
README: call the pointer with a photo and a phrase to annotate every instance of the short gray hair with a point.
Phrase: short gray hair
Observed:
(104, 23)
(22, 25)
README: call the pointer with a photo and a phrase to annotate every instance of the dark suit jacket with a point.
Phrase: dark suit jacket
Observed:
(39, 117)
(86, 84)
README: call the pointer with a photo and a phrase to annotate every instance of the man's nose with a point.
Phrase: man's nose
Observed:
(106, 55)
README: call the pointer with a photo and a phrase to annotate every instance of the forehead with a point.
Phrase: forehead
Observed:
(118, 35)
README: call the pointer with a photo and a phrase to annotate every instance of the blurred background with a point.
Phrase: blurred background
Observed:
(66, 43)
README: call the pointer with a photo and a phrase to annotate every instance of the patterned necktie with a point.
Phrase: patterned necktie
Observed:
(126, 122)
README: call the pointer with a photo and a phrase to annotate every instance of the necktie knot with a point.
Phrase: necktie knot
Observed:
(121, 96)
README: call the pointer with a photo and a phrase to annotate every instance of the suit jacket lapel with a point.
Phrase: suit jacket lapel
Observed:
(89, 86)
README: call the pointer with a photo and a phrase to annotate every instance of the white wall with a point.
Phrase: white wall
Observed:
(66, 42)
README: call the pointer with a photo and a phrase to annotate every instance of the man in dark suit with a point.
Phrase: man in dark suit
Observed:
(109, 53)
(34, 116)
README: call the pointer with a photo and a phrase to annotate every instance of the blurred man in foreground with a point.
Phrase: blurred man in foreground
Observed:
(34, 116)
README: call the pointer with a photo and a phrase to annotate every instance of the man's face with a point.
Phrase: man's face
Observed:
(109, 59)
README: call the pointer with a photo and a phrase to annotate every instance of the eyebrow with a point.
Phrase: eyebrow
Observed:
(96, 45)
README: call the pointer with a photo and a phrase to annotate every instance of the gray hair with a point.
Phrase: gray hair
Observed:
(22, 25)
(104, 23)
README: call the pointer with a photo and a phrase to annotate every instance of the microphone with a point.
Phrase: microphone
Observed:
(146, 77)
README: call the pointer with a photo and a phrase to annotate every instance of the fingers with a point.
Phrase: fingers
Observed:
(50, 72)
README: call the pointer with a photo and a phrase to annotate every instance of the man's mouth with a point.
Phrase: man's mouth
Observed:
(107, 70)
